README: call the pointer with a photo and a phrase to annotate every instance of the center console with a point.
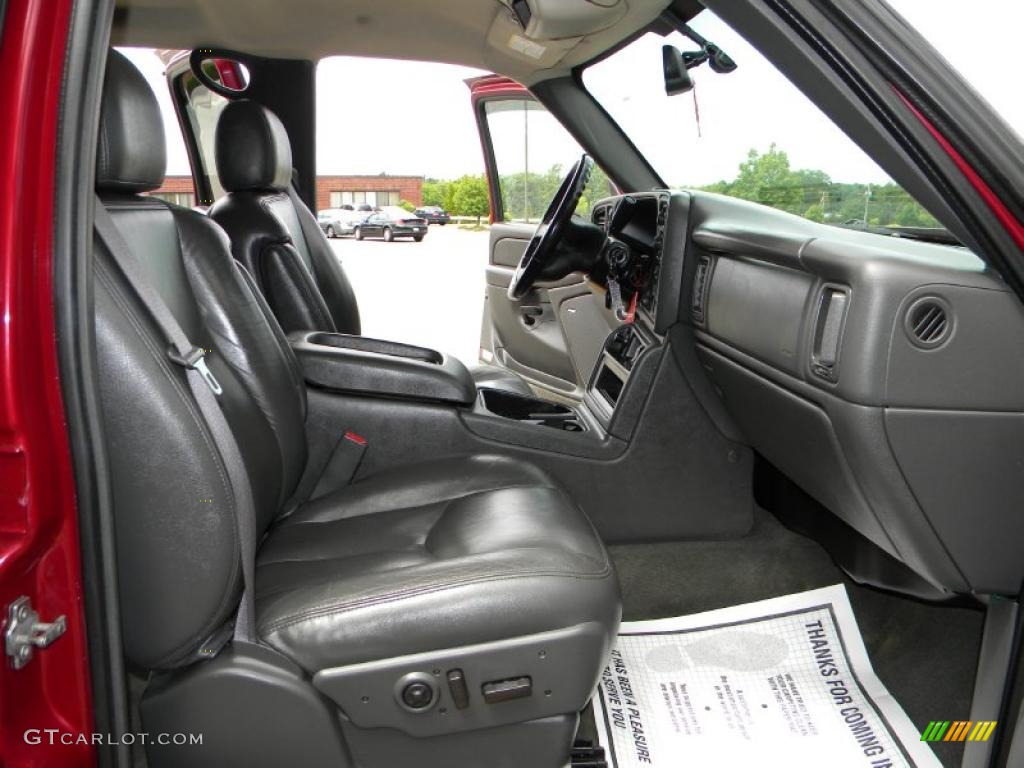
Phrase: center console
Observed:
(622, 349)
(642, 266)
(358, 365)
(641, 413)
(530, 410)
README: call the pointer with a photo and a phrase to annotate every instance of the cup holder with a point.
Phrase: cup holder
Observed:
(530, 410)
(564, 423)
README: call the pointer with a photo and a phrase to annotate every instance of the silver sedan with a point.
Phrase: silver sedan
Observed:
(336, 222)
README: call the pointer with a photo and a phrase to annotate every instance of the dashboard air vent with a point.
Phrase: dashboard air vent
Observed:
(700, 288)
(600, 216)
(928, 322)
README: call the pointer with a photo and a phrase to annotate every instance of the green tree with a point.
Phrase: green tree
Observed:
(719, 187)
(526, 196)
(406, 206)
(435, 191)
(448, 202)
(767, 178)
(598, 187)
(815, 213)
(812, 189)
(470, 197)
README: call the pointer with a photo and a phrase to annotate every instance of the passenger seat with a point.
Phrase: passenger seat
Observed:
(279, 241)
(457, 612)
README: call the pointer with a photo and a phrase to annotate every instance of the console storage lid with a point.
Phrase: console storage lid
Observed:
(356, 364)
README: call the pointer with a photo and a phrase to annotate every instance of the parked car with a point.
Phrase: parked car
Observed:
(434, 214)
(391, 222)
(336, 222)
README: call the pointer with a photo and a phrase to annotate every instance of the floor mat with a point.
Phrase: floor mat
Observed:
(784, 681)
(907, 640)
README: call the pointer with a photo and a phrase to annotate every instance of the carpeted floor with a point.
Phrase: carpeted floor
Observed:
(925, 654)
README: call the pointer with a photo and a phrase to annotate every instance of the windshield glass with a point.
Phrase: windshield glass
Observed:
(752, 134)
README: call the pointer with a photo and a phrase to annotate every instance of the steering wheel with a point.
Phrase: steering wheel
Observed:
(549, 232)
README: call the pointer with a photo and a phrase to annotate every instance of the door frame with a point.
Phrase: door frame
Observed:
(39, 527)
(485, 90)
(482, 90)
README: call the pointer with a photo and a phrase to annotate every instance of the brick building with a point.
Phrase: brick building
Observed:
(335, 191)
(178, 190)
(331, 191)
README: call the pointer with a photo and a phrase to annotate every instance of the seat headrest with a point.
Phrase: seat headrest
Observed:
(131, 155)
(252, 148)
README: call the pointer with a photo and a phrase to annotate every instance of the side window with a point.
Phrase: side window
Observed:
(533, 152)
(203, 108)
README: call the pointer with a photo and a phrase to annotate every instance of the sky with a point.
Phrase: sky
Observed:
(399, 117)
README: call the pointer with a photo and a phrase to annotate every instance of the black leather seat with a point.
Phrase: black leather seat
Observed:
(279, 241)
(452, 552)
(457, 552)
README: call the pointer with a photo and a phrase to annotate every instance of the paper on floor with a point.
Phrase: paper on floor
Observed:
(784, 682)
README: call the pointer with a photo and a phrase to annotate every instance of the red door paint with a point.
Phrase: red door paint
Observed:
(1014, 227)
(39, 554)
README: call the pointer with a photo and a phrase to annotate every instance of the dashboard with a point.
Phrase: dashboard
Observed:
(884, 376)
(638, 230)
(646, 285)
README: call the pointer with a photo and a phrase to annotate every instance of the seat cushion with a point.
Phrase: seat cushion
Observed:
(437, 555)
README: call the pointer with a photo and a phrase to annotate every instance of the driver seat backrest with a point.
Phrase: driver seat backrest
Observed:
(291, 261)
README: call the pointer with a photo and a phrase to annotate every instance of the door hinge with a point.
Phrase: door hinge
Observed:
(25, 632)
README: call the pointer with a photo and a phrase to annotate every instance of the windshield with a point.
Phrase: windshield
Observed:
(752, 134)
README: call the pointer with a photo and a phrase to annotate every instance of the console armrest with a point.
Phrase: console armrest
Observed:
(359, 365)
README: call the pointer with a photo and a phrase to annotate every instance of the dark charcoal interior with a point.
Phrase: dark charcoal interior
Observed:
(530, 410)
(418, 525)
(373, 555)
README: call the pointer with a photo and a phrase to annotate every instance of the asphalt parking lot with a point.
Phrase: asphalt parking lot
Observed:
(429, 293)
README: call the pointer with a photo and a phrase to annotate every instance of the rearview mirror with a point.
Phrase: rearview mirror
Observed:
(720, 61)
(677, 78)
(223, 72)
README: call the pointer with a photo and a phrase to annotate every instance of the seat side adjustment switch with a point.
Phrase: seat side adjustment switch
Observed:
(507, 690)
(416, 692)
(457, 688)
(417, 695)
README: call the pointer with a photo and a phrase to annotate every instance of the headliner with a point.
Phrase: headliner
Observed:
(473, 33)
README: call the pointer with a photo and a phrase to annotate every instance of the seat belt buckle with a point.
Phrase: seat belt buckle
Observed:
(342, 465)
(195, 360)
(215, 643)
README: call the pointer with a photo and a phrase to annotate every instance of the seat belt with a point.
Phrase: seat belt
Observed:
(342, 465)
(308, 226)
(205, 389)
